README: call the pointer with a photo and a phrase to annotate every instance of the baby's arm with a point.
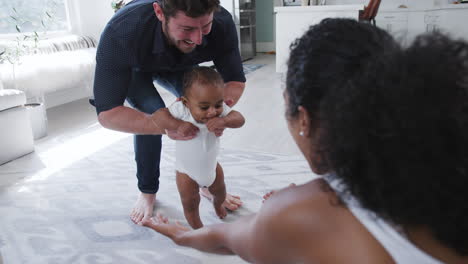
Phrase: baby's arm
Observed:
(232, 120)
(165, 121)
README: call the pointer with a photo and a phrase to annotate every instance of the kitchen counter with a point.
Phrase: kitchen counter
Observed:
(451, 6)
(420, 9)
(318, 8)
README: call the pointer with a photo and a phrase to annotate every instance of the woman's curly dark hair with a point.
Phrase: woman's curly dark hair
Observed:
(394, 121)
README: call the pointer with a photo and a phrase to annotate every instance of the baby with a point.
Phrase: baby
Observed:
(201, 109)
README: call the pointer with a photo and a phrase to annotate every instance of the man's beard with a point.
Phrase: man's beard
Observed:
(173, 42)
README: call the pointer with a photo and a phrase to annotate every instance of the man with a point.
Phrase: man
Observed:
(148, 41)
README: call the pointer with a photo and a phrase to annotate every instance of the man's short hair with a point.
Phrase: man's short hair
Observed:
(191, 8)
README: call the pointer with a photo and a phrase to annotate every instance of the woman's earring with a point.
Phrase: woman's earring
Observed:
(301, 133)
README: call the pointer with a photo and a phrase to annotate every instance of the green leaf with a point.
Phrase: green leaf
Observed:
(14, 18)
(43, 24)
(47, 13)
(18, 28)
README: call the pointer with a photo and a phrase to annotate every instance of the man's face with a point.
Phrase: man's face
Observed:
(185, 32)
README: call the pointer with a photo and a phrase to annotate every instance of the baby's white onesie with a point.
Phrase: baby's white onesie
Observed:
(197, 157)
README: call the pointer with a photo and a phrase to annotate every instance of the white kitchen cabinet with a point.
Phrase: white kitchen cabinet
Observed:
(451, 20)
(406, 24)
(433, 20)
(292, 22)
(403, 23)
(416, 25)
(395, 23)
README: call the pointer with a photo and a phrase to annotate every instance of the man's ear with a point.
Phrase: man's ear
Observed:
(158, 11)
(305, 124)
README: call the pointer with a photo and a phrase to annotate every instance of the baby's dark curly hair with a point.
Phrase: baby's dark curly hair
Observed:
(201, 75)
(394, 121)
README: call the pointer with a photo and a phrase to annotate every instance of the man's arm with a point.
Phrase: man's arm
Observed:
(163, 119)
(128, 120)
(125, 119)
(234, 119)
(232, 92)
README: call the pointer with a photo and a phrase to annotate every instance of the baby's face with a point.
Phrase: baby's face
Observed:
(204, 102)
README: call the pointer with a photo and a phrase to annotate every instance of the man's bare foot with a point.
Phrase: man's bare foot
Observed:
(232, 202)
(143, 209)
(270, 193)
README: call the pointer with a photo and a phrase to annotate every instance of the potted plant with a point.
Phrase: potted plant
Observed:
(25, 43)
(117, 4)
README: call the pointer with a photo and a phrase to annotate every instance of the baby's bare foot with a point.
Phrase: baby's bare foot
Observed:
(232, 202)
(143, 209)
(220, 210)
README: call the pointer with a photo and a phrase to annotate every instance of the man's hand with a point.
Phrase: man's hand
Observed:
(216, 125)
(218, 132)
(185, 131)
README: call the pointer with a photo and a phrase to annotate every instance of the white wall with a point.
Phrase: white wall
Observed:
(89, 17)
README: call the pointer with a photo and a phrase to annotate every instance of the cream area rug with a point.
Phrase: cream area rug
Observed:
(74, 208)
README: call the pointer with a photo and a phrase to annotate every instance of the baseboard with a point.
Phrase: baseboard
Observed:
(265, 46)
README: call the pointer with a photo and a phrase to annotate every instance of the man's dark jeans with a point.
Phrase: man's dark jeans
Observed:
(145, 98)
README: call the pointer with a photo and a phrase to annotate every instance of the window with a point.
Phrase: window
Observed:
(33, 16)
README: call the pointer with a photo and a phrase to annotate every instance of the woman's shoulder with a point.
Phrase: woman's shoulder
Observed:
(306, 207)
(312, 222)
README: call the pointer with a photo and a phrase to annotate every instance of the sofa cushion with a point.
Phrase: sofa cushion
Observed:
(58, 63)
(44, 73)
(11, 98)
(52, 45)
(65, 43)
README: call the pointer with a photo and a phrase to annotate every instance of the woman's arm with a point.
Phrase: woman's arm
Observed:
(214, 238)
(271, 236)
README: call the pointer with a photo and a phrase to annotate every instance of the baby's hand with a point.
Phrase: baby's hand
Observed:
(187, 129)
(216, 124)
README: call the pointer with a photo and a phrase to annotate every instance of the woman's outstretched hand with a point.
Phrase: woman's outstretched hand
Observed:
(161, 224)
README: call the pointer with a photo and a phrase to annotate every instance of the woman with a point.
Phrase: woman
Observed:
(387, 128)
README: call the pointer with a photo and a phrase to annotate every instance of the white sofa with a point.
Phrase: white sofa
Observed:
(16, 136)
(60, 71)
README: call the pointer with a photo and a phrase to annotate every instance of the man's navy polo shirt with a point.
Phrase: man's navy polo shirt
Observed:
(133, 48)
